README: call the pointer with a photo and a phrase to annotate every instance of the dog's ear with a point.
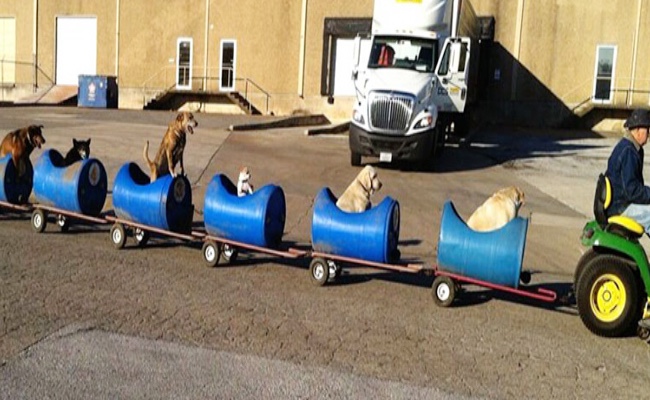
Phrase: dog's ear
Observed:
(74, 142)
(88, 141)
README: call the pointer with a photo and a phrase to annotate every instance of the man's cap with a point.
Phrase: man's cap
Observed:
(638, 118)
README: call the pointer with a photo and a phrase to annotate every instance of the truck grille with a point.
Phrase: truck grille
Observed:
(390, 112)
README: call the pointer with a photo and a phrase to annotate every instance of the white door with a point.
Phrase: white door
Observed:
(76, 49)
(184, 63)
(228, 64)
(452, 75)
(343, 83)
(7, 50)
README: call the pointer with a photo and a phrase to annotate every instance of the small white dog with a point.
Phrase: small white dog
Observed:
(497, 210)
(356, 197)
(244, 186)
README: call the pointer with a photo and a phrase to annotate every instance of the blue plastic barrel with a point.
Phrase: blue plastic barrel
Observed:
(256, 219)
(13, 189)
(165, 203)
(80, 187)
(494, 256)
(371, 235)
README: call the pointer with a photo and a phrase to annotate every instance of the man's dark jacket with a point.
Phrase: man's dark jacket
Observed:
(625, 173)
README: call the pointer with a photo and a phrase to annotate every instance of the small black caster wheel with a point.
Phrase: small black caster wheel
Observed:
(525, 277)
(443, 291)
(211, 253)
(229, 253)
(118, 236)
(141, 237)
(319, 271)
(39, 220)
(63, 223)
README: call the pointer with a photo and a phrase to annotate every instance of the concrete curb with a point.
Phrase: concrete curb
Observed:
(291, 122)
(332, 129)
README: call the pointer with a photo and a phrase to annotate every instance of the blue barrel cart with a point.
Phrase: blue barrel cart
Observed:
(368, 238)
(163, 207)
(488, 259)
(73, 192)
(254, 222)
(15, 190)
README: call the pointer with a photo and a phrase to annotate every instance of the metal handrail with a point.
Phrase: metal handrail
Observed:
(30, 64)
(205, 80)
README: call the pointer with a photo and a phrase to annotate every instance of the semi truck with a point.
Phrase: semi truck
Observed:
(416, 84)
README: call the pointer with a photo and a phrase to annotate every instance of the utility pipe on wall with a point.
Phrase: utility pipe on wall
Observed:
(303, 40)
(635, 49)
(117, 39)
(35, 45)
(205, 45)
(517, 48)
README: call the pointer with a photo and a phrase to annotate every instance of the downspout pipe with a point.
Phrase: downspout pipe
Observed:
(205, 45)
(35, 46)
(117, 39)
(303, 40)
(635, 50)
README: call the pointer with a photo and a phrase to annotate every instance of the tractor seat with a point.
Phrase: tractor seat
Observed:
(618, 224)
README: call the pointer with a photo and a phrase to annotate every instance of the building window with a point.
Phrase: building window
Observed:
(604, 73)
(184, 63)
(228, 58)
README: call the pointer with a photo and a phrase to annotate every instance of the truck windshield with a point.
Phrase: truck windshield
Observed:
(400, 52)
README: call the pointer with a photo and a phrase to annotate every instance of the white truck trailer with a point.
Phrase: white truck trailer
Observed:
(421, 73)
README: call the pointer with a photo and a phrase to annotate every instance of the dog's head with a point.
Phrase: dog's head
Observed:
(35, 135)
(368, 179)
(187, 121)
(82, 147)
(244, 174)
(515, 194)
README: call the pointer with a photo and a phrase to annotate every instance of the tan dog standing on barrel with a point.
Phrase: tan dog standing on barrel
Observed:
(20, 144)
(171, 149)
(497, 210)
(356, 197)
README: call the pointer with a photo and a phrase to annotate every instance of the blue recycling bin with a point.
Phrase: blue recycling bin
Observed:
(495, 257)
(165, 203)
(256, 219)
(15, 189)
(97, 91)
(371, 235)
(80, 187)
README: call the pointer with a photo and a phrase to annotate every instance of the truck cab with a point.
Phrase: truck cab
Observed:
(414, 84)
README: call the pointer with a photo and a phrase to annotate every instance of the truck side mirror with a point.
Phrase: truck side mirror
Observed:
(357, 52)
(456, 49)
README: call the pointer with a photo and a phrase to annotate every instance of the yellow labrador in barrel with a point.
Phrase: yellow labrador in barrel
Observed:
(356, 197)
(497, 210)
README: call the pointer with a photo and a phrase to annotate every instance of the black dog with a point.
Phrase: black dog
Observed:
(80, 151)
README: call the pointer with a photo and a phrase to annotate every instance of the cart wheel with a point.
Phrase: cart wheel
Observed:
(39, 220)
(334, 269)
(118, 236)
(141, 237)
(443, 291)
(211, 253)
(62, 222)
(229, 253)
(525, 277)
(319, 271)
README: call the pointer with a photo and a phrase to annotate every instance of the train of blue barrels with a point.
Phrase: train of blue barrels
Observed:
(256, 223)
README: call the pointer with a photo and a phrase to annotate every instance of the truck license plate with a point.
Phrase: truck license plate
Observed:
(385, 157)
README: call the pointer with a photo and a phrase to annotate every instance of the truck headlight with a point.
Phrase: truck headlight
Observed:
(357, 116)
(425, 122)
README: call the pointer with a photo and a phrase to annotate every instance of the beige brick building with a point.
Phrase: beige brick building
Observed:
(551, 60)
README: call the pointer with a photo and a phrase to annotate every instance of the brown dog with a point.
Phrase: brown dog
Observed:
(171, 149)
(20, 144)
(497, 210)
(356, 197)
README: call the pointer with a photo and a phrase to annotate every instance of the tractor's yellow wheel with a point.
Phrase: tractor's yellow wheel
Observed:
(609, 295)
